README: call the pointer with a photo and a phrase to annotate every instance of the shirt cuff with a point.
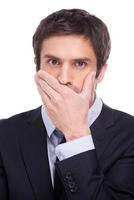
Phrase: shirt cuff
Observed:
(74, 147)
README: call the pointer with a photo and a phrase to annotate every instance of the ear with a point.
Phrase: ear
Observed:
(101, 74)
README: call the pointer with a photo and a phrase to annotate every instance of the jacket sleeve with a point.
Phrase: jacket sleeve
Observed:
(3, 183)
(83, 179)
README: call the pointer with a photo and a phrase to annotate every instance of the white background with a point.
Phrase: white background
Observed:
(18, 21)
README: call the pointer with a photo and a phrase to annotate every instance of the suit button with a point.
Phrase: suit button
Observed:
(71, 184)
(69, 177)
(73, 189)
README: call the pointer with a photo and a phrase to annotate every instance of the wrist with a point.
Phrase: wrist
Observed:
(73, 134)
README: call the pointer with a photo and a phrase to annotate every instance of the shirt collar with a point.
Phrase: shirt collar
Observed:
(93, 114)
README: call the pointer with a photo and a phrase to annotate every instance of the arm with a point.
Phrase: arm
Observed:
(3, 182)
(83, 178)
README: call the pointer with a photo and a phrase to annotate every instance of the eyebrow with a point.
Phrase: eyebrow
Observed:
(74, 59)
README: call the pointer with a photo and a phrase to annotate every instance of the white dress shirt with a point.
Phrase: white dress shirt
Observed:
(71, 148)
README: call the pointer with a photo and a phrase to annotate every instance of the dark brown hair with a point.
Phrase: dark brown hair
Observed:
(74, 22)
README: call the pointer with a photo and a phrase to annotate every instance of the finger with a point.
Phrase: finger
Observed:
(51, 93)
(54, 84)
(89, 85)
(45, 99)
(50, 80)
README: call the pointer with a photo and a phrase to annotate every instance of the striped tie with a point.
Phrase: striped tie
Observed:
(58, 186)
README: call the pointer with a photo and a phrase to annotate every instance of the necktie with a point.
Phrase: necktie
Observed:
(58, 187)
(60, 136)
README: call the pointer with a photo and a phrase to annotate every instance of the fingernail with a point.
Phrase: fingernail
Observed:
(93, 74)
(39, 72)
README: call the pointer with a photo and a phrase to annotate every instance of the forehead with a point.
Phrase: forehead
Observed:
(68, 46)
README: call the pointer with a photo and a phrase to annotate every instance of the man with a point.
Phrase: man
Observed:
(74, 146)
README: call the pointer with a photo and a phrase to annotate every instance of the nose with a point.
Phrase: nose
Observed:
(65, 75)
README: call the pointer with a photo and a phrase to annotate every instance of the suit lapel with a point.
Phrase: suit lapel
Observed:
(33, 145)
(102, 130)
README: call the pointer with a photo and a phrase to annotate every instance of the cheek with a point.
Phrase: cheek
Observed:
(50, 70)
(80, 78)
(78, 81)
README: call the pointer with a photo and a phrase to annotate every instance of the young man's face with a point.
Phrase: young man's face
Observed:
(69, 59)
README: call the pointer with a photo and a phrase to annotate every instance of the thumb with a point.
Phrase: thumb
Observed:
(89, 85)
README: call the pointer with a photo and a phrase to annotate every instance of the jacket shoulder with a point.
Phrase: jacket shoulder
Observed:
(118, 115)
(123, 124)
(123, 117)
(18, 121)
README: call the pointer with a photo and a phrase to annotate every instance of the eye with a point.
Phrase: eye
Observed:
(81, 64)
(53, 62)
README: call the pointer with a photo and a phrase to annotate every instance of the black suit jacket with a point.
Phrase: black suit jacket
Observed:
(106, 173)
